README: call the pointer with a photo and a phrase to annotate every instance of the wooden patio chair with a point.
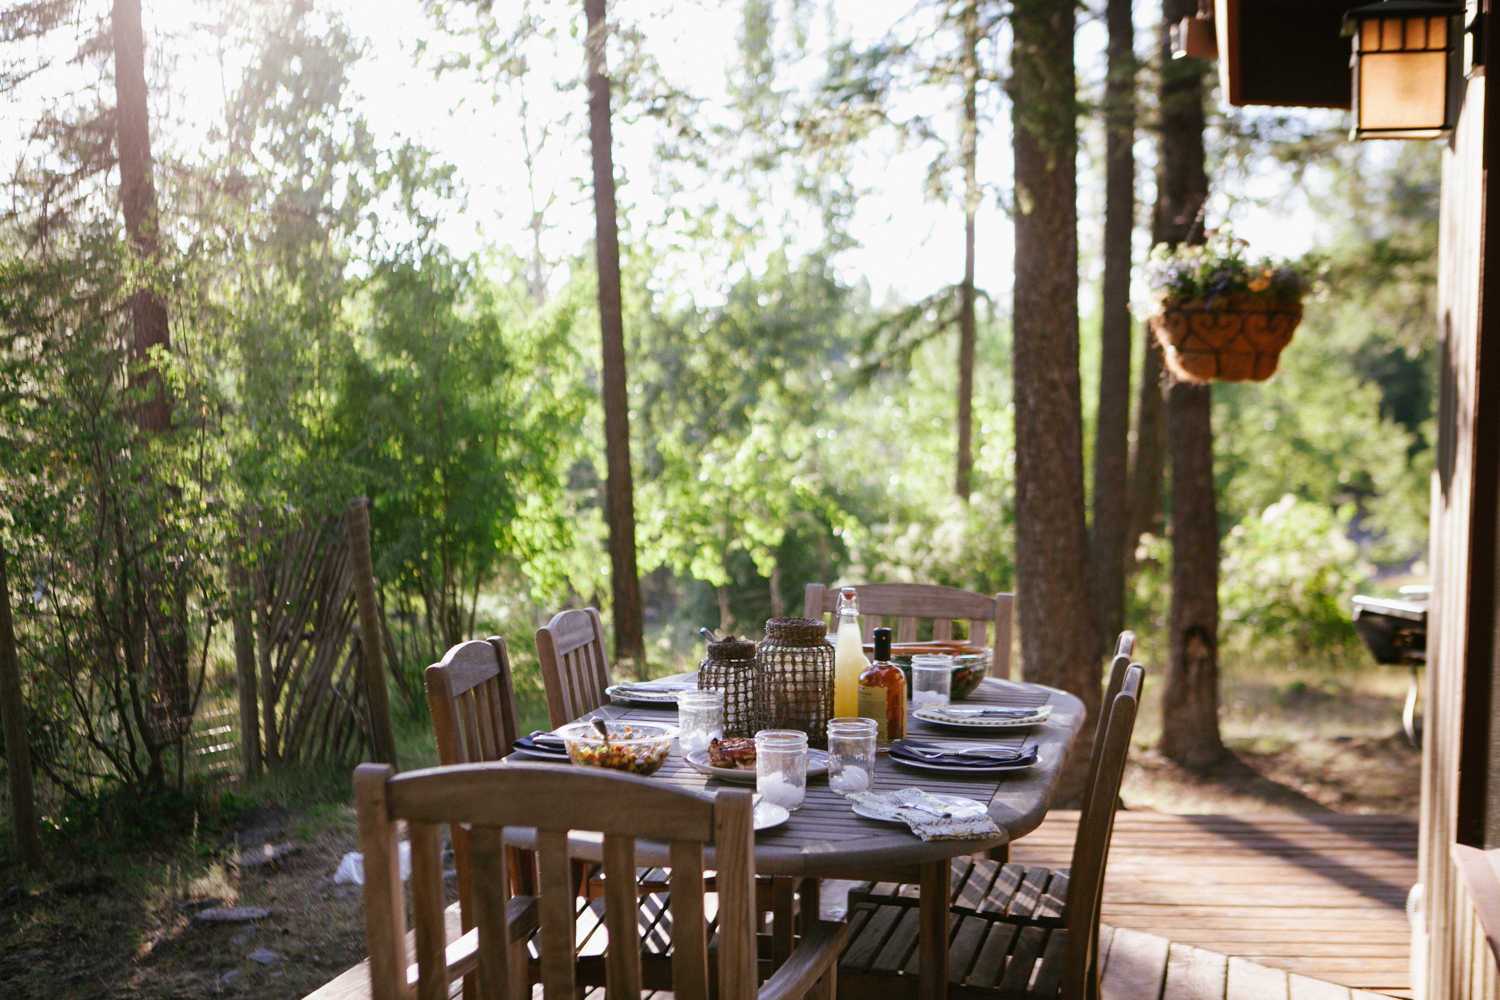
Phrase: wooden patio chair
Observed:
(907, 602)
(575, 669)
(473, 709)
(556, 800)
(1006, 917)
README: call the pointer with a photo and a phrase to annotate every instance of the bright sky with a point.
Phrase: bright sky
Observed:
(909, 245)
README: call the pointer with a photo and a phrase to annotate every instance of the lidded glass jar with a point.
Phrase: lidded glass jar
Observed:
(730, 667)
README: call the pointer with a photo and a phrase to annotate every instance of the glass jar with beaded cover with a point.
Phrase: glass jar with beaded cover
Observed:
(794, 678)
(730, 667)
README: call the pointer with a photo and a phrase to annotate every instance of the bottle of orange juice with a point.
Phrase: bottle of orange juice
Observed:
(848, 657)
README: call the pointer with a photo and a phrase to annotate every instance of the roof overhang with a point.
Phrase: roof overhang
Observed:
(1284, 53)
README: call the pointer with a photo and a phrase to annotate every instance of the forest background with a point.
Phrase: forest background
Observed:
(347, 322)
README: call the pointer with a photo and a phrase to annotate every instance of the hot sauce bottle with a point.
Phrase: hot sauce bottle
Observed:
(882, 692)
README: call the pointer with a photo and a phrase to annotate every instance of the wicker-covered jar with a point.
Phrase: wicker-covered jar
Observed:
(794, 678)
(730, 667)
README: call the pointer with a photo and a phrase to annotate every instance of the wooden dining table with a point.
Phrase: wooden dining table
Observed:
(825, 839)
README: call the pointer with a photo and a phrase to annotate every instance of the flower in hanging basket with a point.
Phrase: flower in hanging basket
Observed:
(1220, 316)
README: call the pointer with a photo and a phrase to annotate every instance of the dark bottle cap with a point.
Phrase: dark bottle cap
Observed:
(882, 645)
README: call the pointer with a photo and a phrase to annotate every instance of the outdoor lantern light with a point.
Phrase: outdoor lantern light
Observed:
(1406, 68)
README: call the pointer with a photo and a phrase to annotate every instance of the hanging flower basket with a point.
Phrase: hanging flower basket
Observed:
(1220, 317)
(1237, 338)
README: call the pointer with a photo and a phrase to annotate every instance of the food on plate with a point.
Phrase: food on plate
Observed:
(736, 753)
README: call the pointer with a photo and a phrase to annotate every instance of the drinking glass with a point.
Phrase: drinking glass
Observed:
(851, 755)
(931, 679)
(781, 766)
(700, 718)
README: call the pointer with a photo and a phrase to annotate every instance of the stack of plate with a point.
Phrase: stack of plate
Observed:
(981, 759)
(980, 716)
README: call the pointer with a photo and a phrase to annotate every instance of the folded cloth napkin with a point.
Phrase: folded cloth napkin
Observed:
(923, 752)
(543, 743)
(930, 818)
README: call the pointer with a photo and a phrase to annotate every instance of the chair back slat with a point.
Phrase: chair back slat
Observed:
(735, 881)
(575, 670)
(623, 960)
(385, 901)
(427, 911)
(554, 800)
(908, 602)
(1091, 848)
(689, 928)
(555, 913)
(491, 898)
(1124, 647)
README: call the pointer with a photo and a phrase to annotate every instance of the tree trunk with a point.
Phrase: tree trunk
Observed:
(961, 482)
(1111, 442)
(1052, 576)
(1190, 693)
(1148, 450)
(625, 585)
(148, 312)
(13, 719)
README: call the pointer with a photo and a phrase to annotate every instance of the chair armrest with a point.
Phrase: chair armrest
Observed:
(818, 953)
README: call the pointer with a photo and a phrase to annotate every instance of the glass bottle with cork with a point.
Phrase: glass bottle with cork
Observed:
(882, 692)
(848, 656)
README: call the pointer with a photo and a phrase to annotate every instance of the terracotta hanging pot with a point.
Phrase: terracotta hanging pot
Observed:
(1234, 338)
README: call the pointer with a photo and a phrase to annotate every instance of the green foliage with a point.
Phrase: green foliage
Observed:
(1218, 268)
(459, 416)
(1287, 575)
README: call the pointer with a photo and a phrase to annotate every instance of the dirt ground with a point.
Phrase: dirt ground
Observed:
(119, 923)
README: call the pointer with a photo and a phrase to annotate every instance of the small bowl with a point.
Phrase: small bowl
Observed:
(634, 747)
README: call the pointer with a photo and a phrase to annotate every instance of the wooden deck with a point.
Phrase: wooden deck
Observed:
(1321, 896)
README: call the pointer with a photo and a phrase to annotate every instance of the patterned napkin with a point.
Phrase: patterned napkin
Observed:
(930, 818)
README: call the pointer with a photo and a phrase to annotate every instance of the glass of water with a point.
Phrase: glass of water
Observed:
(781, 767)
(851, 755)
(931, 679)
(700, 719)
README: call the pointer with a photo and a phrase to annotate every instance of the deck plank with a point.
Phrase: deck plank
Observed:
(1194, 974)
(1137, 965)
(1249, 981)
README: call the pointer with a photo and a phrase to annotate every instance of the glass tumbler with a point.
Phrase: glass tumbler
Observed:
(931, 679)
(851, 755)
(781, 767)
(700, 718)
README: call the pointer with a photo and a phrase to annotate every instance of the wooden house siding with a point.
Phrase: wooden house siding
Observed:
(1455, 762)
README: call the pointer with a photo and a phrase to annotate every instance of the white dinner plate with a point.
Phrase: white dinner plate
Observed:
(957, 801)
(769, 814)
(964, 769)
(817, 764)
(939, 717)
(644, 694)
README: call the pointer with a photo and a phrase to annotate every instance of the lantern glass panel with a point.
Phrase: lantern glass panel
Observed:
(1390, 34)
(1437, 32)
(1404, 90)
(1369, 36)
(1416, 33)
